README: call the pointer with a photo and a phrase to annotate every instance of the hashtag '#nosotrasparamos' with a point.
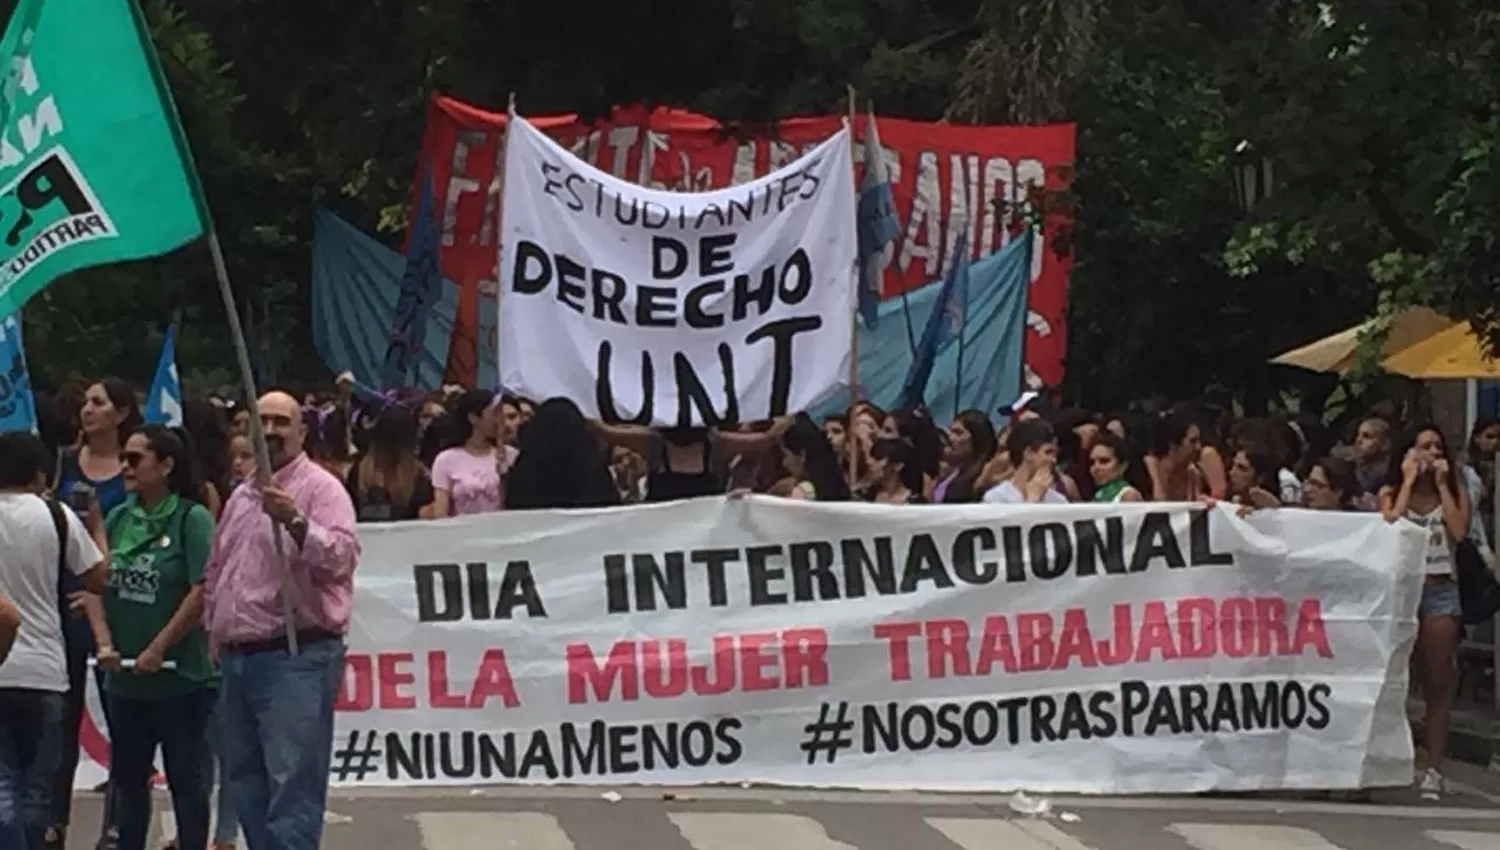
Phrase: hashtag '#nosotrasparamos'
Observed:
(357, 758)
(829, 733)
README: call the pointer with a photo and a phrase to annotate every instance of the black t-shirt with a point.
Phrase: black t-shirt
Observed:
(373, 504)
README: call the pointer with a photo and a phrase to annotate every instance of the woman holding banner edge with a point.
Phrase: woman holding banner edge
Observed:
(685, 463)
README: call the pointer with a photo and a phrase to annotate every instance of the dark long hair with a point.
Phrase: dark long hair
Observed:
(1130, 457)
(208, 427)
(123, 397)
(174, 444)
(1169, 431)
(561, 464)
(434, 438)
(391, 461)
(981, 448)
(900, 452)
(471, 403)
(820, 464)
(1472, 455)
(1208, 417)
(327, 434)
(925, 438)
(1407, 443)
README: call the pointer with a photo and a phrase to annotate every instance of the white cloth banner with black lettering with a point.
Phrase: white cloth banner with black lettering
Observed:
(1108, 649)
(671, 308)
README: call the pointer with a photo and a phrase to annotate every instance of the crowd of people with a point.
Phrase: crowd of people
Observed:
(156, 556)
(155, 553)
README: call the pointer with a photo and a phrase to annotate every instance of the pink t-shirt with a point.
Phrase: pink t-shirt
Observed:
(472, 481)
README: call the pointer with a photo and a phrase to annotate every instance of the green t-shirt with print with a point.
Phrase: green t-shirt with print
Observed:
(157, 555)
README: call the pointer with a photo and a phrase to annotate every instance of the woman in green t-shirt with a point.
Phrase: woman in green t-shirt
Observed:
(159, 541)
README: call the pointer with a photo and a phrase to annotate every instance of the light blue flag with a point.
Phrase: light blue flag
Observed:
(164, 401)
(17, 407)
(994, 329)
(356, 284)
(876, 223)
(944, 324)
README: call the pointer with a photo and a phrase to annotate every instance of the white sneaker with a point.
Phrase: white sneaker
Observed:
(1431, 784)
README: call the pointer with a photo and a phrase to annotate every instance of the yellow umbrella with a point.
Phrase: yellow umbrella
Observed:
(1452, 353)
(1337, 353)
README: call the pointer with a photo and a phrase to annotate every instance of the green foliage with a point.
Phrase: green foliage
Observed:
(1154, 307)
(1383, 119)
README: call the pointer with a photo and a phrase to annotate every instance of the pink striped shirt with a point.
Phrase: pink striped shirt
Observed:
(242, 580)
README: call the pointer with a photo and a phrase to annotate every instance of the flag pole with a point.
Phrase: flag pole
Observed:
(911, 336)
(851, 444)
(226, 292)
(257, 429)
(958, 369)
(510, 123)
(962, 320)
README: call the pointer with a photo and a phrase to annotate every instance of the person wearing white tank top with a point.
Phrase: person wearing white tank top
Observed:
(1425, 489)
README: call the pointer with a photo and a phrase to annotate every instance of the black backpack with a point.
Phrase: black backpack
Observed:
(1478, 589)
(60, 526)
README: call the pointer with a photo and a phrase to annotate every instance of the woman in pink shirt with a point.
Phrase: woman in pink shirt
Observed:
(466, 477)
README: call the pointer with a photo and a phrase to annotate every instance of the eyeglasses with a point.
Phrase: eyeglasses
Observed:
(133, 459)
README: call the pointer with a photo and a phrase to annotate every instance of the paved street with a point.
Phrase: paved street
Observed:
(777, 819)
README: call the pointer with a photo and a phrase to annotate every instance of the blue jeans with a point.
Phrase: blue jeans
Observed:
(1440, 599)
(226, 822)
(179, 725)
(278, 740)
(31, 727)
(78, 649)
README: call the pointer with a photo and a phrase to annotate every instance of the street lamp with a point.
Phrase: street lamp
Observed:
(1253, 178)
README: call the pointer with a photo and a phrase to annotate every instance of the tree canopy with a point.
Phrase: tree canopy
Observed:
(1378, 122)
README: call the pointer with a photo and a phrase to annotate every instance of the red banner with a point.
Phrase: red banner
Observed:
(947, 177)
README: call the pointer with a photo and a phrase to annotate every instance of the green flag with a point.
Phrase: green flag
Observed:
(93, 166)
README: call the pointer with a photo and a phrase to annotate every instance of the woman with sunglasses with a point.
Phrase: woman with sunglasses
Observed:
(159, 542)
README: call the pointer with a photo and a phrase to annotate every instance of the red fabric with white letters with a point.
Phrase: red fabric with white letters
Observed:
(946, 177)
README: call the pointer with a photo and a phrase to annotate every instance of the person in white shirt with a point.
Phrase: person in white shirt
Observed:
(1033, 453)
(10, 625)
(37, 537)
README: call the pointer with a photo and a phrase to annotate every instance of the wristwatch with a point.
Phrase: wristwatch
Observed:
(298, 525)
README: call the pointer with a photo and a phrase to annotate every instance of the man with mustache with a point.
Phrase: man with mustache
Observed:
(277, 708)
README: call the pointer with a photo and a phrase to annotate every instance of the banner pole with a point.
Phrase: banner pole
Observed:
(226, 292)
(849, 439)
(510, 123)
(257, 429)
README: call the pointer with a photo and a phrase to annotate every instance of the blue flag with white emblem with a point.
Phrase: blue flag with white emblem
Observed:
(877, 224)
(17, 407)
(164, 402)
(944, 324)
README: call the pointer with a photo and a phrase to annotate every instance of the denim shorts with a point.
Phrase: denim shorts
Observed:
(1440, 599)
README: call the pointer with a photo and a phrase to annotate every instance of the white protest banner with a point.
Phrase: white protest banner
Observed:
(675, 309)
(1089, 648)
